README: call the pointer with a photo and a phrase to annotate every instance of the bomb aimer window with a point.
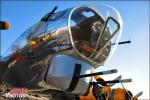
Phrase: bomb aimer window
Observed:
(86, 25)
(91, 34)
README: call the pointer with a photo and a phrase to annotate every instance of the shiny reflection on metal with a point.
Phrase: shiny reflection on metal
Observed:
(38, 45)
(61, 72)
(60, 38)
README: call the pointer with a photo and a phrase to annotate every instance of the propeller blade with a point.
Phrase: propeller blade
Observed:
(139, 94)
(125, 80)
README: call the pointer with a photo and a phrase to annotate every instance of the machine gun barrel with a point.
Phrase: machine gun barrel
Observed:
(45, 18)
(123, 42)
(112, 81)
(98, 73)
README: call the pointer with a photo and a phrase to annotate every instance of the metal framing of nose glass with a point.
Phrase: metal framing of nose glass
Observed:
(88, 59)
(108, 41)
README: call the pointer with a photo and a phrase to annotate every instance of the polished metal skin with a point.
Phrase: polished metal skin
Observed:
(79, 33)
(61, 72)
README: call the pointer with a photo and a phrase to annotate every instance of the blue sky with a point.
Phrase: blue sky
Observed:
(132, 61)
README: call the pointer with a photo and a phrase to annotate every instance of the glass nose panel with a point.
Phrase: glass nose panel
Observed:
(85, 27)
(92, 33)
